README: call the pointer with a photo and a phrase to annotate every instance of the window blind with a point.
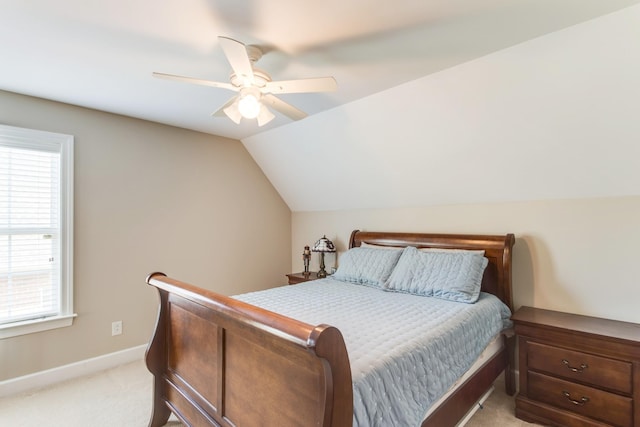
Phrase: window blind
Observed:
(30, 276)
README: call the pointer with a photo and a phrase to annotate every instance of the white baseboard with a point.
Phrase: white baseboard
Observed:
(62, 373)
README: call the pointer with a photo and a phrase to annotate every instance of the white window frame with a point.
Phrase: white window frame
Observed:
(20, 137)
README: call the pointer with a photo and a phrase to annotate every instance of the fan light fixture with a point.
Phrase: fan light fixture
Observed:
(255, 87)
(249, 105)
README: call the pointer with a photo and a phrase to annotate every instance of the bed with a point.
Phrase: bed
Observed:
(228, 361)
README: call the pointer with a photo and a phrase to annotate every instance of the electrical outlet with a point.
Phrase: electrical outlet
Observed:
(116, 328)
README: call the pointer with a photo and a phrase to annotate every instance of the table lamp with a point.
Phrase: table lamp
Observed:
(323, 246)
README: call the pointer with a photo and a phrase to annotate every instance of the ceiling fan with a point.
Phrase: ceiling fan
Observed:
(256, 90)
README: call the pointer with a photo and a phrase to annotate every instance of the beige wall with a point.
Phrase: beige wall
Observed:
(579, 256)
(149, 197)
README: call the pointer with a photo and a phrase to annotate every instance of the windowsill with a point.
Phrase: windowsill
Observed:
(36, 325)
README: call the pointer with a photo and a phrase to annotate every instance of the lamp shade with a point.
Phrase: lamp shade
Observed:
(264, 116)
(324, 245)
(233, 113)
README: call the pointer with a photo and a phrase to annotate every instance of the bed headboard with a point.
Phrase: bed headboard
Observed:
(497, 249)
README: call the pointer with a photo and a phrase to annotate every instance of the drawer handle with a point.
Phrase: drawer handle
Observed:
(582, 367)
(580, 402)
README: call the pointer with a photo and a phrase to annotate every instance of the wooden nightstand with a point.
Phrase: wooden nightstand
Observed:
(577, 370)
(301, 277)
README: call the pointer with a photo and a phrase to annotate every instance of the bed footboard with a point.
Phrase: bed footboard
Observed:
(219, 361)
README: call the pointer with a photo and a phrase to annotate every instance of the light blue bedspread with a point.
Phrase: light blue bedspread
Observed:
(404, 349)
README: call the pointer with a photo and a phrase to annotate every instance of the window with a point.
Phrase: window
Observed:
(36, 231)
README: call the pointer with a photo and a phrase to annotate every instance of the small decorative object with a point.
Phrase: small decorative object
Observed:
(306, 256)
(323, 246)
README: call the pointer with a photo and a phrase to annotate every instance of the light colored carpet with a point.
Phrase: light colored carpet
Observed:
(121, 397)
(498, 410)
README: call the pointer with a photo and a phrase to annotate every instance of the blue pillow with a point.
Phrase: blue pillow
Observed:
(453, 276)
(367, 266)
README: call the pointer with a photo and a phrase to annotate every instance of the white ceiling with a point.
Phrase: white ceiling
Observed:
(555, 117)
(100, 54)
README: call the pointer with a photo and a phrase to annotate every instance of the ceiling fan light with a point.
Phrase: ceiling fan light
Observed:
(233, 112)
(249, 106)
(265, 115)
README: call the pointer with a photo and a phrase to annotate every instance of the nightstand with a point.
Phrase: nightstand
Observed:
(577, 370)
(301, 277)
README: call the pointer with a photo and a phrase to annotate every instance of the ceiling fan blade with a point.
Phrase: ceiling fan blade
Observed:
(236, 53)
(193, 80)
(318, 84)
(283, 107)
(220, 111)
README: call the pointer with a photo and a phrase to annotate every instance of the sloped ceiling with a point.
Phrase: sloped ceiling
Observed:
(100, 54)
(439, 101)
(555, 117)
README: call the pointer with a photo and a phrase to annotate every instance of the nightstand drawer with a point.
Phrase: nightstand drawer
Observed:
(590, 402)
(577, 366)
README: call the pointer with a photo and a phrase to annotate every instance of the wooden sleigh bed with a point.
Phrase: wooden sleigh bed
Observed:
(218, 361)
